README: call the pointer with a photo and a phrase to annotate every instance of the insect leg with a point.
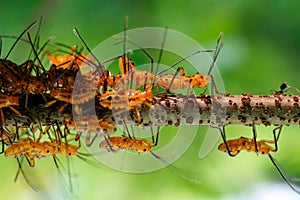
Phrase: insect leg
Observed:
(24, 175)
(282, 175)
(222, 132)
(254, 137)
(276, 138)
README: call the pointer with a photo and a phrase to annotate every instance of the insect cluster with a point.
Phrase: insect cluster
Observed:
(45, 110)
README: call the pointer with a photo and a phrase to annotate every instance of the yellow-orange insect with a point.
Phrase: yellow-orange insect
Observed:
(8, 101)
(73, 60)
(116, 143)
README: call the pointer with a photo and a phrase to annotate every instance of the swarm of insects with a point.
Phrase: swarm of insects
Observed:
(44, 110)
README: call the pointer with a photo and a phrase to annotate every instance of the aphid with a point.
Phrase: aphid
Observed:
(261, 147)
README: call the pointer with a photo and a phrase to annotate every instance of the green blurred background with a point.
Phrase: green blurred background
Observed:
(262, 40)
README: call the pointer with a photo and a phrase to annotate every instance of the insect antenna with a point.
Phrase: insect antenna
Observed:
(36, 55)
(282, 175)
(125, 64)
(183, 59)
(100, 68)
(58, 163)
(37, 36)
(177, 171)
(216, 52)
(161, 49)
(19, 37)
(108, 144)
(0, 46)
(148, 55)
(215, 56)
(43, 47)
(77, 55)
(20, 169)
(160, 53)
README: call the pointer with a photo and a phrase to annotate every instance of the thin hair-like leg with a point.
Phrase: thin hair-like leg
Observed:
(254, 137)
(276, 137)
(20, 169)
(282, 175)
(18, 39)
(100, 68)
(222, 132)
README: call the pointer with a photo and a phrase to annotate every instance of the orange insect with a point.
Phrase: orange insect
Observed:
(29, 149)
(143, 78)
(102, 127)
(73, 60)
(247, 144)
(9, 75)
(36, 149)
(182, 82)
(8, 101)
(128, 79)
(84, 92)
(197, 80)
(261, 147)
(12, 81)
(168, 82)
(19, 79)
(6, 137)
(116, 143)
(33, 85)
(123, 99)
(130, 75)
(127, 100)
